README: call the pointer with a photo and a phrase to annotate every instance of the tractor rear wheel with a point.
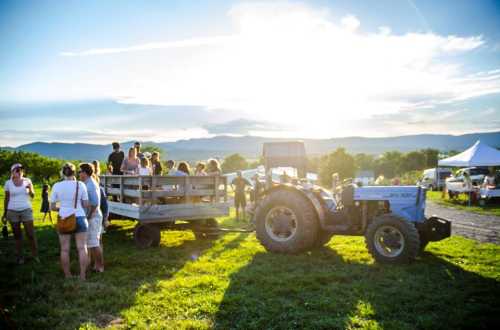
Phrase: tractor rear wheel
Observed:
(392, 239)
(146, 235)
(286, 222)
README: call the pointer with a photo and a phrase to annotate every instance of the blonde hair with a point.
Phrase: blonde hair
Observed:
(144, 162)
(213, 165)
(132, 151)
(97, 170)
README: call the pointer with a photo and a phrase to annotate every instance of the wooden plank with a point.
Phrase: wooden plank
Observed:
(122, 195)
(217, 192)
(127, 210)
(140, 190)
(183, 211)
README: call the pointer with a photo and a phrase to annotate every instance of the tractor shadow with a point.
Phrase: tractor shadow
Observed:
(32, 292)
(322, 290)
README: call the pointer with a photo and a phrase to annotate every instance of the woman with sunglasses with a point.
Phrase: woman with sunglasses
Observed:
(17, 209)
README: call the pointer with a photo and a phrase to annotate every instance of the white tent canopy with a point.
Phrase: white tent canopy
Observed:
(479, 154)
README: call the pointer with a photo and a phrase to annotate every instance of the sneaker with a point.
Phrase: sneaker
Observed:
(20, 260)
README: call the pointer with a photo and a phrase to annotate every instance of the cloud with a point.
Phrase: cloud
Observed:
(194, 42)
(295, 65)
(350, 22)
(242, 127)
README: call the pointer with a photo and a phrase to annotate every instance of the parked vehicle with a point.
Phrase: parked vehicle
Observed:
(455, 184)
(295, 217)
(435, 178)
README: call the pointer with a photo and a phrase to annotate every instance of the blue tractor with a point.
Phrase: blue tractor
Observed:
(297, 216)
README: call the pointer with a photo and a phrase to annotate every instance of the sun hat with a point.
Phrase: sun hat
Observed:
(16, 165)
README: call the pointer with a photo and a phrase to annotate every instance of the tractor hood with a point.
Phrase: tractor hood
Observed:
(406, 201)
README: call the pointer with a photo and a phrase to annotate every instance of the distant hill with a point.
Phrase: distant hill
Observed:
(251, 146)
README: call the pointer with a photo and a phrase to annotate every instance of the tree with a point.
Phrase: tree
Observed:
(431, 157)
(389, 164)
(414, 160)
(364, 161)
(233, 163)
(339, 162)
(152, 148)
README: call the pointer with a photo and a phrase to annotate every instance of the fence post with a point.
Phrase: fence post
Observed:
(121, 189)
(217, 189)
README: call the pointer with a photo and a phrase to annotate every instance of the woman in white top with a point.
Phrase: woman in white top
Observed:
(130, 164)
(144, 169)
(62, 200)
(17, 209)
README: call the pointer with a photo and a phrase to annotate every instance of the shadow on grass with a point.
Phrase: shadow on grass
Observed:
(37, 297)
(321, 290)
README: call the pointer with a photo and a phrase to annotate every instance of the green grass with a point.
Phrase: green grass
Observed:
(461, 203)
(234, 283)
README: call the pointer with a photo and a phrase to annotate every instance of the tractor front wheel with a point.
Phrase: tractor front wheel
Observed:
(391, 239)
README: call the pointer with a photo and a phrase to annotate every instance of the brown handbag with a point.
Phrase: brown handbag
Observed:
(67, 225)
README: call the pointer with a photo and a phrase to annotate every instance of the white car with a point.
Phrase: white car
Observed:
(456, 184)
(434, 178)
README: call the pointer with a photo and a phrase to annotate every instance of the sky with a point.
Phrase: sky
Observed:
(98, 71)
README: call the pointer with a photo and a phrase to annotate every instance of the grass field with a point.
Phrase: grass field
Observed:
(461, 203)
(234, 283)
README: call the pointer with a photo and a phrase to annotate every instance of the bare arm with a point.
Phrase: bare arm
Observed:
(5, 204)
(31, 190)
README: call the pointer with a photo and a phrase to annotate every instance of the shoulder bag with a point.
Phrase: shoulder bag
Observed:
(67, 225)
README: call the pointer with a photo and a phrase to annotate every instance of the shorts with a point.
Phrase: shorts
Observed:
(95, 230)
(20, 216)
(81, 225)
(240, 200)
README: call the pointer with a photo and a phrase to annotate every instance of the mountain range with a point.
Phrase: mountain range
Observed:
(251, 146)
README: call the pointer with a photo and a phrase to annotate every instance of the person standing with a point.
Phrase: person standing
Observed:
(239, 184)
(115, 160)
(156, 163)
(137, 146)
(18, 209)
(70, 197)
(130, 165)
(94, 216)
(45, 208)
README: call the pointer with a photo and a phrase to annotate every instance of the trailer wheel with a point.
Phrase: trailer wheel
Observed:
(146, 235)
(392, 239)
(322, 238)
(286, 222)
(207, 229)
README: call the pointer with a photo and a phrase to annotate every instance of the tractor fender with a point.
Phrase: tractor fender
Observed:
(306, 194)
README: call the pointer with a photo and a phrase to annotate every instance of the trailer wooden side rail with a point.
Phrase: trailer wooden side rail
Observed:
(157, 202)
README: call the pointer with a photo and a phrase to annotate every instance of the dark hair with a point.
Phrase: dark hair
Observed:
(45, 187)
(183, 167)
(137, 143)
(87, 168)
(155, 153)
(116, 145)
(170, 163)
(68, 169)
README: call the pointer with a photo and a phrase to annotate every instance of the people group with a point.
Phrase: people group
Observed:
(79, 194)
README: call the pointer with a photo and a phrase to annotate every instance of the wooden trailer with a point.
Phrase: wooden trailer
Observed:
(167, 202)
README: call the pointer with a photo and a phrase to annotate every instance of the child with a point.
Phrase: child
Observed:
(45, 203)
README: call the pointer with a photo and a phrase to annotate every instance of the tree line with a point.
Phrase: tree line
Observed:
(390, 164)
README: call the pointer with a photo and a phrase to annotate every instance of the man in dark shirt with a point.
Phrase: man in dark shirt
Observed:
(137, 146)
(239, 183)
(115, 159)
